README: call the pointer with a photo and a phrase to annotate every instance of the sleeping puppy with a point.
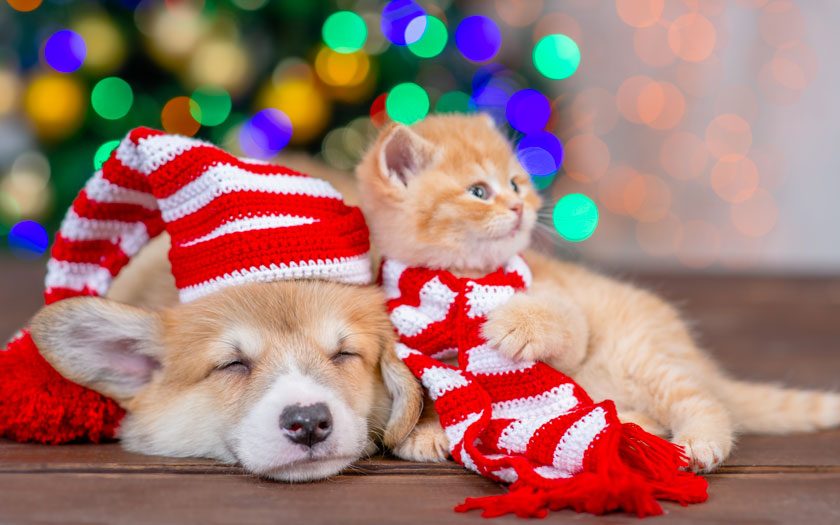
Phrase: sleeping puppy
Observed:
(293, 380)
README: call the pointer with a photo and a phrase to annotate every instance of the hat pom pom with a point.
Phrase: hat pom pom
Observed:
(38, 405)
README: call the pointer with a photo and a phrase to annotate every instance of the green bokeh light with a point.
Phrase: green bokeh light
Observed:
(544, 181)
(112, 98)
(453, 102)
(407, 103)
(212, 106)
(344, 32)
(103, 152)
(575, 217)
(556, 56)
(433, 40)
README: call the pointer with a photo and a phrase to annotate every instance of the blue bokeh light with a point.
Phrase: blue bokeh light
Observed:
(492, 87)
(396, 17)
(541, 153)
(478, 38)
(28, 239)
(65, 51)
(265, 134)
(528, 111)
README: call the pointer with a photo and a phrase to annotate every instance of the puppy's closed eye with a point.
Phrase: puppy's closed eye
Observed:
(234, 367)
(343, 356)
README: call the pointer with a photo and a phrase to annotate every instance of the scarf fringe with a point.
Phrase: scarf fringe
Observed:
(630, 472)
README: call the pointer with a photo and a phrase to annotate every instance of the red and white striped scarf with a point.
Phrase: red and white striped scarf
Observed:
(523, 422)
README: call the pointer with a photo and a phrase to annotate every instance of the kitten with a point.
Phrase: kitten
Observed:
(448, 193)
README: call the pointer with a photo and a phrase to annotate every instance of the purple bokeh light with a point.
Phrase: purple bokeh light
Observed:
(528, 111)
(478, 38)
(265, 134)
(28, 239)
(65, 51)
(396, 17)
(541, 153)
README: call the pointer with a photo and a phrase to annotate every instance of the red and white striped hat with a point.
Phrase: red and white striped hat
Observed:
(231, 221)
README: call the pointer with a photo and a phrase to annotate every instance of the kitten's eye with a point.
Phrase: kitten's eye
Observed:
(235, 367)
(514, 185)
(342, 356)
(480, 191)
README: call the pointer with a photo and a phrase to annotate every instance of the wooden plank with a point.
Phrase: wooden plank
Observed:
(208, 499)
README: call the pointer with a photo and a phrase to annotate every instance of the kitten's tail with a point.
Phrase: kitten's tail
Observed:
(771, 409)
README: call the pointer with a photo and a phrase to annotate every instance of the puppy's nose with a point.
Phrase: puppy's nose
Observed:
(306, 425)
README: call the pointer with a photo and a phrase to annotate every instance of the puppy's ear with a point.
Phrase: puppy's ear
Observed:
(403, 154)
(406, 397)
(103, 345)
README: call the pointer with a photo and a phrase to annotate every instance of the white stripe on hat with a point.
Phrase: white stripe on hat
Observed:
(102, 190)
(435, 301)
(265, 222)
(568, 456)
(156, 150)
(77, 276)
(348, 270)
(222, 179)
(131, 235)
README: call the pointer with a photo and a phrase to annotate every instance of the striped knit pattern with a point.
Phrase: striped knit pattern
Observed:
(519, 422)
(231, 221)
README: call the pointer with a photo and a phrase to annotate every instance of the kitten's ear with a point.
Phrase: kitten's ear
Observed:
(403, 154)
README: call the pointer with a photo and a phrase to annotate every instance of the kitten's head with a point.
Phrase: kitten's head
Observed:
(447, 192)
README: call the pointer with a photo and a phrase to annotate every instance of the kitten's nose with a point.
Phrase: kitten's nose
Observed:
(306, 425)
(517, 208)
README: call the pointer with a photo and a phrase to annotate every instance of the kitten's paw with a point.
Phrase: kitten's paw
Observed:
(524, 329)
(427, 443)
(703, 456)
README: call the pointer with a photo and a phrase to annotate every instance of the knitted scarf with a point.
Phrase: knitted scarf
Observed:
(523, 422)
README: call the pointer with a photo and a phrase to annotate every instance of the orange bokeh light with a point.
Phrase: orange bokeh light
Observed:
(639, 13)
(176, 117)
(519, 13)
(614, 186)
(699, 79)
(627, 98)
(756, 216)
(692, 37)
(587, 158)
(651, 46)
(707, 7)
(781, 24)
(661, 105)
(728, 134)
(594, 110)
(647, 198)
(683, 155)
(24, 5)
(734, 179)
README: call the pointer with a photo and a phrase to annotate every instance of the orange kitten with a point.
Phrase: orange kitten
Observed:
(448, 193)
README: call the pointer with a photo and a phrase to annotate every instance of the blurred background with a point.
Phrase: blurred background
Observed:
(700, 133)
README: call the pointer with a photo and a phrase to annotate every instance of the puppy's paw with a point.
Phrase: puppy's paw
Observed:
(525, 329)
(426, 443)
(703, 455)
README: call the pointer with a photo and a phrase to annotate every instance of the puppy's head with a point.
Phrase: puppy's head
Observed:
(294, 380)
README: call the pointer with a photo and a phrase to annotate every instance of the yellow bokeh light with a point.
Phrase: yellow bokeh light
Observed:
(220, 63)
(55, 104)
(105, 44)
(341, 69)
(302, 101)
(9, 91)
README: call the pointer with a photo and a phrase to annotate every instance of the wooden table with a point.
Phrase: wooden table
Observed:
(760, 327)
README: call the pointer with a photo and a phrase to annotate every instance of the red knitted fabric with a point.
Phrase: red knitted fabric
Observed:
(523, 422)
(231, 221)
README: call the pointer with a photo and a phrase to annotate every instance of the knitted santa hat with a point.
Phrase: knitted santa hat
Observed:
(231, 221)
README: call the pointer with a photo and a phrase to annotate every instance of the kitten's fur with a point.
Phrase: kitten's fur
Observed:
(618, 341)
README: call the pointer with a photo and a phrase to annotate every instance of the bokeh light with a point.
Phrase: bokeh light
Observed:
(594, 110)
(103, 153)
(692, 37)
(344, 32)
(28, 239)
(734, 179)
(540, 153)
(55, 104)
(651, 46)
(265, 134)
(396, 17)
(478, 38)
(556, 56)
(756, 216)
(106, 50)
(10, 87)
(587, 158)
(112, 98)
(342, 69)
(407, 103)
(781, 24)
(639, 13)
(528, 111)
(65, 51)
(575, 217)
(300, 100)
(433, 38)
(177, 116)
(24, 5)
(213, 105)
(378, 115)
(728, 134)
(453, 102)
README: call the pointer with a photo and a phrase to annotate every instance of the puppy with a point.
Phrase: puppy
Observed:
(293, 380)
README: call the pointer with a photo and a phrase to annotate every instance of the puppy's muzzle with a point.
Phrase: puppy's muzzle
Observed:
(306, 425)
